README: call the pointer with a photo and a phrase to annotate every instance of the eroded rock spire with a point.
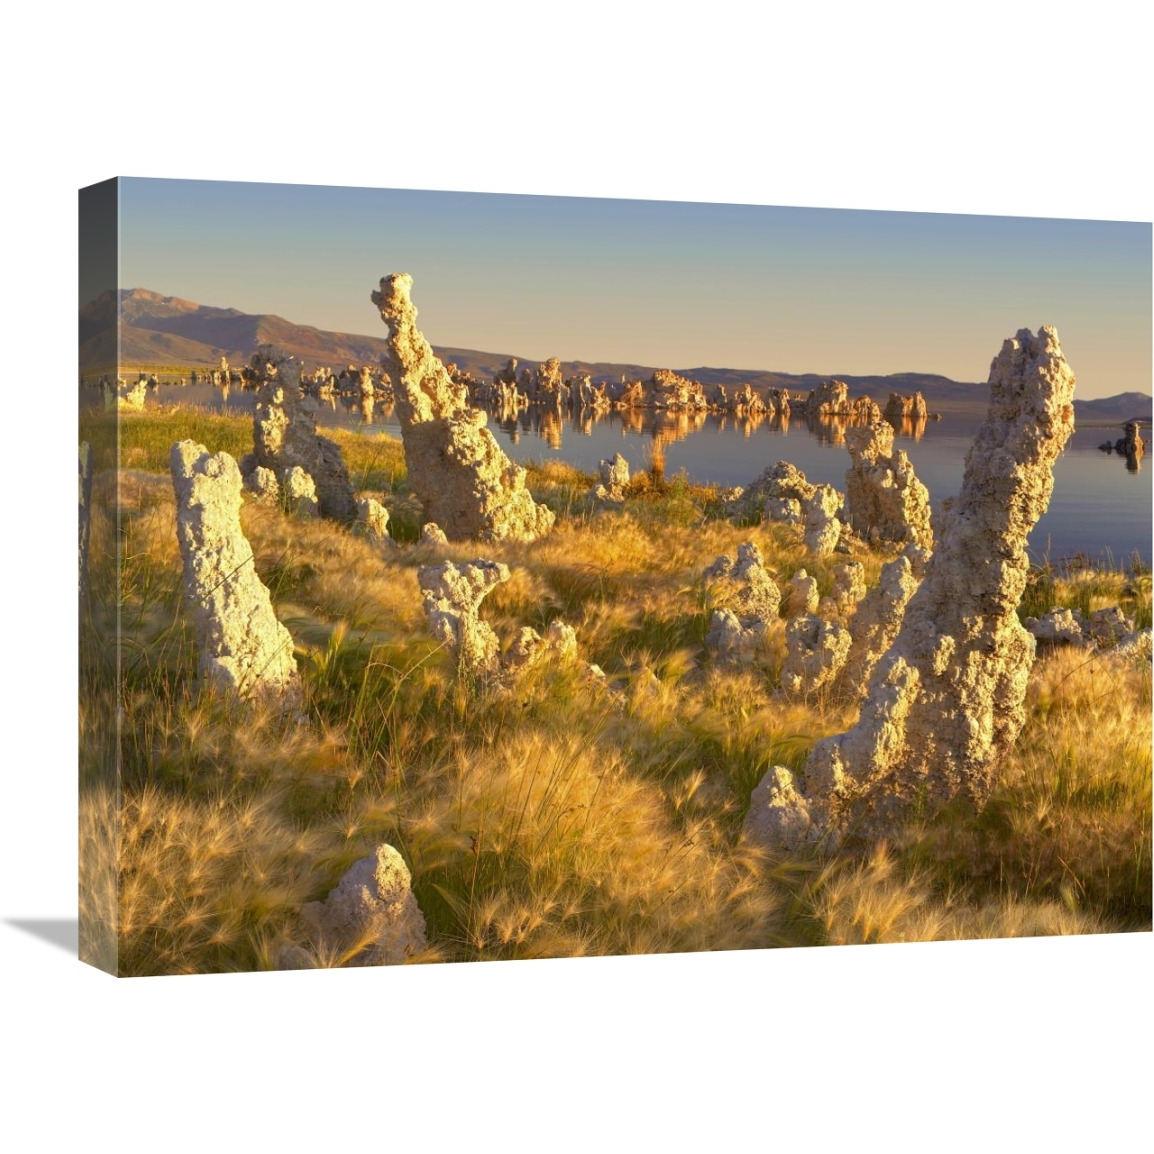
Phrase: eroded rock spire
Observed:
(456, 468)
(285, 438)
(946, 701)
(884, 499)
(243, 647)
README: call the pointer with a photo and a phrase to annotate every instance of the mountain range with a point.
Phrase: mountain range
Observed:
(159, 330)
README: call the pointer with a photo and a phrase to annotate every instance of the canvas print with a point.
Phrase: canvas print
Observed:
(470, 577)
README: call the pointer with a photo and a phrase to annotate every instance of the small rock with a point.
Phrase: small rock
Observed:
(372, 910)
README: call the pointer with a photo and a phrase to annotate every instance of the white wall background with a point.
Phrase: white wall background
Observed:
(1020, 108)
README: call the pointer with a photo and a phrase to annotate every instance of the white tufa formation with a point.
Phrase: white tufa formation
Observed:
(285, 437)
(261, 483)
(815, 651)
(452, 596)
(372, 913)
(456, 468)
(730, 639)
(747, 600)
(300, 493)
(779, 494)
(530, 649)
(1135, 646)
(946, 702)
(373, 520)
(744, 585)
(803, 598)
(243, 647)
(1058, 627)
(1108, 626)
(875, 624)
(884, 500)
(849, 588)
(822, 524)
(614, 478)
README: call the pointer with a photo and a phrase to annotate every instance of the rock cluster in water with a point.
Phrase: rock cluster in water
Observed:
(127, 398)
(947, 699)
(832, 399)
(901, 408)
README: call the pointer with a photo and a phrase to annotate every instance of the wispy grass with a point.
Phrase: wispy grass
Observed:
(1087, 587)
(558, 818)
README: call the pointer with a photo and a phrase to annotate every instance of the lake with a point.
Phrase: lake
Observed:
(1099, 508)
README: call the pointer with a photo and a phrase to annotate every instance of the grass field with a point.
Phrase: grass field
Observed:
(558, 819)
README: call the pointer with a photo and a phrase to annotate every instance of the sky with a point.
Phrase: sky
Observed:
(676, 284)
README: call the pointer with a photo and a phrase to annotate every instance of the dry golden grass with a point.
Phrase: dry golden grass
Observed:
(556, 819)
(855, 903)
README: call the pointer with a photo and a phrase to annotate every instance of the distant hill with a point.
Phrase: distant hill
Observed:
(1116, 410)
(159, 330)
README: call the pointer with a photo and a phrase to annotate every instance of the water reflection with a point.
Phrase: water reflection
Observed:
(1096, 506)
(550, 428)
(913, 428)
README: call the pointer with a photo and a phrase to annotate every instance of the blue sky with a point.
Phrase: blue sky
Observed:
(670, 283)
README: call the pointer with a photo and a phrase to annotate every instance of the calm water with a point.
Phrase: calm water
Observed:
(1098, 507)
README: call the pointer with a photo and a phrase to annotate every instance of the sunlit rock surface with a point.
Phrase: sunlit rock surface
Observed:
(371, 918)
(261, 483)
(884, 500)
(816, 650)
(947, 700)
(530, 649)
(901, 408)
(243, 647)
(456, 468)
(300, 493)
(875, 624)
(803, 597)
(822, 521)
(614, 475)
(849, 588)
(285, 437)
(744, 585)
(452, 597)
(1058, 627)
(373, 520)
